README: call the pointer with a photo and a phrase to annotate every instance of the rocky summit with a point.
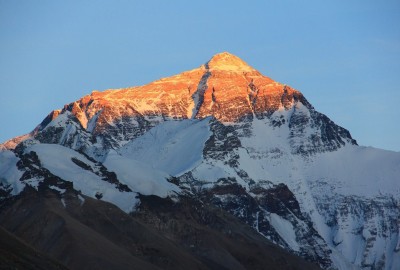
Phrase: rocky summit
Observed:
(220, 166)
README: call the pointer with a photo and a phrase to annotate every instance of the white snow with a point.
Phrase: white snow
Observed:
(285, 229)
(265, 154)
(211, 172)
(174, 147)
(81, 199)
(139, 176)
(357, 170)
(92, 122)
(57, 159)
(33, 182)
(59, 121)
(62, 191)
(341, 262)
(9, 173)
(63, 202)
(349, 243)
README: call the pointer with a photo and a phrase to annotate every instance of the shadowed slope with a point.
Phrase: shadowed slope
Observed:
(15, 254)
(88, 234)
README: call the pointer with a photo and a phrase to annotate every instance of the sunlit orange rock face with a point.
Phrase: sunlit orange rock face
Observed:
(236, 90)
(225, 87)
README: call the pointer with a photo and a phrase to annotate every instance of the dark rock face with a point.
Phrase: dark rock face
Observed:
(221, 143)
(329, 136)
(278, 199)
(30, 164)
(258, 206)
(113, 131)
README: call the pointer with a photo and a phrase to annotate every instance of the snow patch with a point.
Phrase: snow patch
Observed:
(9, 173)
(58, 160)
(174, 147)
(62, 191)
(139, 176)
(285, 230)
(81, 199)
(63, 203)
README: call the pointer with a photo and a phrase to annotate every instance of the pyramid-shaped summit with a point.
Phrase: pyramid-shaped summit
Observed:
(228, 62)
(225, 88)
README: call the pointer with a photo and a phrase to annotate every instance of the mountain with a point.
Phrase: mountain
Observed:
(221, 136)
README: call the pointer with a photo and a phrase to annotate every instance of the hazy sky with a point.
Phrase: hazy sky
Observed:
(344, 56)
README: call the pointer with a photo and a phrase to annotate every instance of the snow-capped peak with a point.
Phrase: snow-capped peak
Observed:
(259, 147)
(228, 62)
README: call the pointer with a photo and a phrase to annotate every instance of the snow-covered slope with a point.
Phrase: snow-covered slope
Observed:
(9, 174)
(227, 135)
(174, 146)
(84, 174)
(141, 177)
(67, 168)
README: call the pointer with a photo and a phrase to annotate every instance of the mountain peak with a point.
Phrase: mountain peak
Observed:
(228, 62)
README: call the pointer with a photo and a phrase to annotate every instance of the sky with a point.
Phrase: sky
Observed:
(344, 56)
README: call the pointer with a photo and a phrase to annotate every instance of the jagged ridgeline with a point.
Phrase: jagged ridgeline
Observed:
(229, 147)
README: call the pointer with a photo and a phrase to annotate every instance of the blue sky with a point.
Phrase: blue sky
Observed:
(344, 56)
